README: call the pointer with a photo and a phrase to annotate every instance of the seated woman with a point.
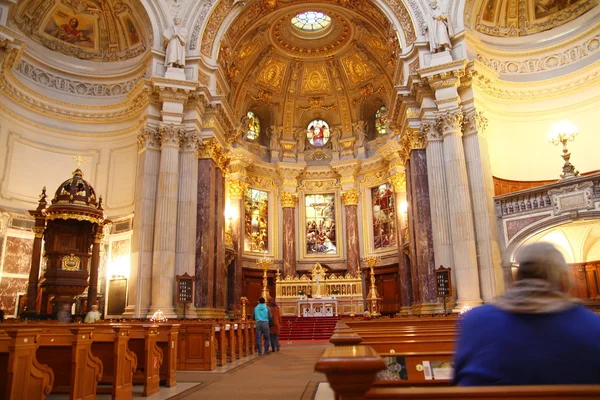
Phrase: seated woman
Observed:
(532, 335)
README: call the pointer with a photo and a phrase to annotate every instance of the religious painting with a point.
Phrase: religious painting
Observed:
(320, 226)
(317, 133)
(395, 369)
(544, 8)
(384, 216)
(133, 38)
(381, 120)
(256, 221)
(253, 126)
(76, 29)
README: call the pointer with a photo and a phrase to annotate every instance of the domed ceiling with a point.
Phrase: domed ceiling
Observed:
(340, 69)
(525, 17)
(107, 30)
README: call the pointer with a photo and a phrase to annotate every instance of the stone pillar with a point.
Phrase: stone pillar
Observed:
(398, 181)
(491, 277)
(449, 124)
(210, 290)
(185, 246)
(420, 214)
(36, 256)
(163, 262)
(288, 203)
(237, 191)
(350, 200)
(94, 265)
(142, 241)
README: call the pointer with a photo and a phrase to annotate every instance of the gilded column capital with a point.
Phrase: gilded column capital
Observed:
(170, 135)
(98, 237)
(38, 231)
(428, 132)
(474, 122)
(350, 197)
(398, 181)
(213, 150)
(148, 138)
(450, 122)
(237, 189)
(189, 141)
(288, 199)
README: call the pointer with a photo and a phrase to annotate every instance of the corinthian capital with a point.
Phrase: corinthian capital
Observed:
(398, 181)
(350, 197)
(474, 122)
(190, 141)
(170, 135)
(450, 122)
(288, 199)
(428, 132)
(237, 189)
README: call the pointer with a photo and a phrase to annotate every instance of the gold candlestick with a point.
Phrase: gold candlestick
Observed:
(244, 301)
(373, 298)
(265, 263)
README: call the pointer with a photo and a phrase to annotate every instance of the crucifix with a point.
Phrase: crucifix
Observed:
(79, 160)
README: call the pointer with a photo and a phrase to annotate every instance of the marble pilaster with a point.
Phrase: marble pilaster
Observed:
(398, 181)
(288, 204)
(237, 190)
(461, 215)
(185, 246)
(482, 194)
(142, 241)
(422, 230)
(350, 200)
(163, 261)
(94, 266)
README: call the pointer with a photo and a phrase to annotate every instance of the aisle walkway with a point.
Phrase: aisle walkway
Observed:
(285, 375)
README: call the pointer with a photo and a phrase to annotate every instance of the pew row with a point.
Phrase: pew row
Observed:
(351, 372)
(22, 377)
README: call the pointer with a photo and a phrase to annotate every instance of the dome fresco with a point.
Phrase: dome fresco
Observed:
(93, 30)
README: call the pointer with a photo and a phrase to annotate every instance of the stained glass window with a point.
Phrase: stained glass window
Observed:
(320, 224)
(253, 126)
(317, 133)
(384, 216)
(256, 221)
(381, 120)
(311, 21)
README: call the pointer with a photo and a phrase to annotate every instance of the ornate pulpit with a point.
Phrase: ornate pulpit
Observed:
(72, 229)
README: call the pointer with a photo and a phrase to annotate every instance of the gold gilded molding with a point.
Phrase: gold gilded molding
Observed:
(315, 79)
(237, 189)
(288, 199)
(214, 151)
(271, 73)
(261, 182)
(350, 197)
(357, 71)
(398, 181)
(77, 217)
(316, 186)
(38, 231)
(70, 263)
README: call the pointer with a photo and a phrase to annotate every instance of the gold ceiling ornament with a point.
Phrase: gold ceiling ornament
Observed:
(272, 72)
(237, 189)
(398, 181)
(350, 197)
(288, 199)
(264, 96)
(315, 79)
(366, 91)
(316, 102)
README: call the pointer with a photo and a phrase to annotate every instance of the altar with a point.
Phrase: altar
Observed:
(323, 307)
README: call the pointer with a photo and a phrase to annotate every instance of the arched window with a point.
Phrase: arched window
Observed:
(317, 133)
(381, 120)
(253, 126)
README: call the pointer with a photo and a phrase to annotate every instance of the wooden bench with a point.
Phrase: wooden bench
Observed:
(22, 377)
(197, 349)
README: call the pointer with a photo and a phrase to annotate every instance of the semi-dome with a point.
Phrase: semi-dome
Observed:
(110, 30)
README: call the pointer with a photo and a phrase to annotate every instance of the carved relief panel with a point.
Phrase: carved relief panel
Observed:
(315, 79)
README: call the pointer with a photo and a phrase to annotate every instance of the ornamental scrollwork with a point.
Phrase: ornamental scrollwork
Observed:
(398, 181)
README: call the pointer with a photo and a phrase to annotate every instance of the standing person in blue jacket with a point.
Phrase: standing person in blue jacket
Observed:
(534, 334)
(261, 316)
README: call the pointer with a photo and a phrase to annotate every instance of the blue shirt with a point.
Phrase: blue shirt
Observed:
(261, 312)
(496, 347)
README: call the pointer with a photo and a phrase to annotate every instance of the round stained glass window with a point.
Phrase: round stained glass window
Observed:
(317, 133)
(311, 21)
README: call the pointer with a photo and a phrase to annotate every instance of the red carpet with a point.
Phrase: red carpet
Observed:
(307, 328)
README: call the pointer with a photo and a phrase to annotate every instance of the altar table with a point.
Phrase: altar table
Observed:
(323, 307)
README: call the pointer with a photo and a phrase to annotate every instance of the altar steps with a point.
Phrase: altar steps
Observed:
(307, 328)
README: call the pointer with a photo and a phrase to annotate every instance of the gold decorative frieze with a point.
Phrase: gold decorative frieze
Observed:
(315, 79)
(316, 186)
(212, 149)
(237, 189)
(356, 69)
(77, 217)
(271, 73)
(288, 199)
(373, 179)
(350, 197)
(261, 182)
(398, 181)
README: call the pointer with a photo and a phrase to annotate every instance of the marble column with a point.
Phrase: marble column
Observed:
(237, 190)
(210, 274)
(288, 203)
(185, 247)
(438, 197)
(163, 262)
(491, 276)
(142, 241)
(350, 200)
(398, 181)
(94, 265)
(461, 213)
(420, 213)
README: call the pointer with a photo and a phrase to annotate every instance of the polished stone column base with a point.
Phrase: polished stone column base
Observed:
(405, 310)
(210, 313)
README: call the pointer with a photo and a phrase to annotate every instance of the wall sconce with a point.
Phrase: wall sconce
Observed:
(561, 133)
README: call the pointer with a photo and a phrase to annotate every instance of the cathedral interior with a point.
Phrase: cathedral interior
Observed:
(237, 141)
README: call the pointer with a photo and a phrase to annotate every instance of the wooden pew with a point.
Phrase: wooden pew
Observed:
(168, 340)
(351, 371)
(197, 349)
(143, 342)
(221, 337)
(22, 377)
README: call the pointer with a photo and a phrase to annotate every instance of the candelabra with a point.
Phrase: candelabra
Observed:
(244, 301)
(373, 299)
(561, 133)
(265, 264)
